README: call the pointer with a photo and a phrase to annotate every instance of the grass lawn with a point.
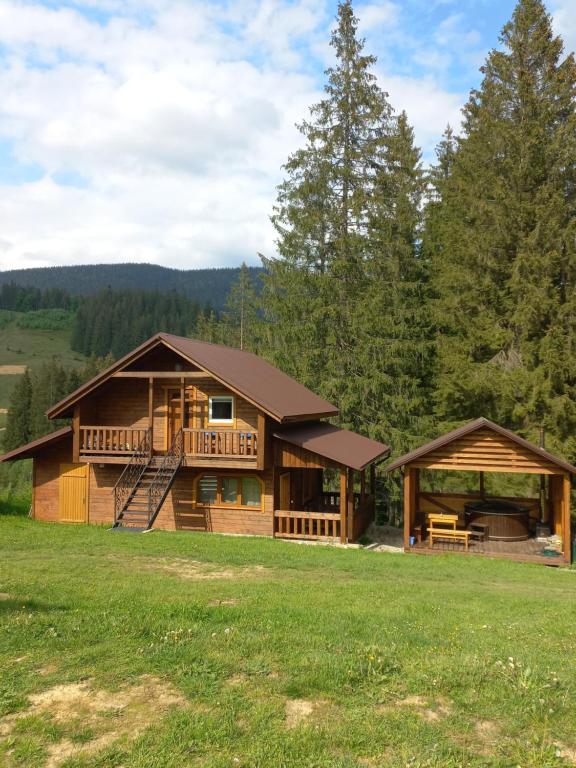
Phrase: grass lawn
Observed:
(181, 649)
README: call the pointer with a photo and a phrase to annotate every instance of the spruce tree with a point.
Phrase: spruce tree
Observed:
(18, 418)
(505, 264)
(395, 338)
(240, 316)
(322, 215)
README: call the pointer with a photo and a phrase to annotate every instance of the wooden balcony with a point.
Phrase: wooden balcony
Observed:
(226, 442)
(322, 520)
(202, 447)
(103, 441)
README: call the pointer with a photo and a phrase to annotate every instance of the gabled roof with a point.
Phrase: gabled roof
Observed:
(246, 374)
(338, 445)
(473, 426)
(31, 449)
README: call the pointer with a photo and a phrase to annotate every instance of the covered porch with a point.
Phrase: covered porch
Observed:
(324, 483)
(530, 527)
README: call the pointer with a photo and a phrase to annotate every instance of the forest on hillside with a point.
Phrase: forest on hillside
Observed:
(201, 285)
(414, 298)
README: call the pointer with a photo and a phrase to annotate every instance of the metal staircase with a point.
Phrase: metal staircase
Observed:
(143, 486)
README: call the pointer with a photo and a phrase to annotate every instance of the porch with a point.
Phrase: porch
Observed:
(324, 483)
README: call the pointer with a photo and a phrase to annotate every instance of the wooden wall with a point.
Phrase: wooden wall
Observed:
(46, 479)
(177, 513)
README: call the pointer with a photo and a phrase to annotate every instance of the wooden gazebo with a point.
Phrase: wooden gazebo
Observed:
(483, 447)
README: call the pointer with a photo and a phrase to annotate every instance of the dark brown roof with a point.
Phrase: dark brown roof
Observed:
(31, 449)
(472, 426)
(338, 445)
(248, 375)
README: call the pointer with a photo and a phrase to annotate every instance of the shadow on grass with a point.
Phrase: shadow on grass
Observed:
(12, 605)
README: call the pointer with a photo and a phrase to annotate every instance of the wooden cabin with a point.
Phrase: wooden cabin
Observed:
(181, 434)
(534, 528)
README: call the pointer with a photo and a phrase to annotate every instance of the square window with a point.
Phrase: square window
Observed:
(207, 489)
(251, 492)
(221, 409)
(229, 490)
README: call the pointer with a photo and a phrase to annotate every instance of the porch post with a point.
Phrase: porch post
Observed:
(343, 505)
(151, 412)
(75, 435)
(363, 486)
(408, 493)
(373, 491)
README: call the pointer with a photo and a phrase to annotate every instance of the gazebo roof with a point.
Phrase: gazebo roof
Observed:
(472, 447)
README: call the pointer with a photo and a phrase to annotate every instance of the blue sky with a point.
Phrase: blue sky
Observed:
(155, 130)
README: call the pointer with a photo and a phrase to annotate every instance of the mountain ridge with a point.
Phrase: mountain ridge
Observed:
(206, 285)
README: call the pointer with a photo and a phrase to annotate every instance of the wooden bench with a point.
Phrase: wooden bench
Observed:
(454, 534)
(444, 527)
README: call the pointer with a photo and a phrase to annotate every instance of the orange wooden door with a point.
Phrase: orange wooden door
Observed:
(73, 493)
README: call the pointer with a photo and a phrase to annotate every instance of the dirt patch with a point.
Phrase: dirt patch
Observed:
(228, 601)
(487, 729)
(112, 716)
(3, 411)
(298, 711)
(236, 680)
(567, 754)
(4, 596)
(12, 370)
(430, 710)
(198, 571)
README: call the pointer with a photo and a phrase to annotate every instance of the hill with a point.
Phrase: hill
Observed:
(24, 344)
(203, 285)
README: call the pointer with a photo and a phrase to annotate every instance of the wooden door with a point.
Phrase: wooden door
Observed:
(73, 493)
(285, 491)
(174, 415)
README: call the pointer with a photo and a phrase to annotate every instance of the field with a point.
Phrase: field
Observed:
(181, 649)
(21, 347)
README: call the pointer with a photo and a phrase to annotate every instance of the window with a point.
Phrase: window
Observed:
(221, 410)
(207, 489)
(230, 491)
(251, 492)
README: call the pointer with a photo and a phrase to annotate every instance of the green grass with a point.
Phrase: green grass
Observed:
(31, 347)
(405, 660)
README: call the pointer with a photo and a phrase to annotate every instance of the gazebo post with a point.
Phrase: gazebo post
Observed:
(343, 505)
(566, 543)
(408, 496)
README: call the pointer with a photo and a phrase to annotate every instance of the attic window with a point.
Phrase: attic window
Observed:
(221, 410)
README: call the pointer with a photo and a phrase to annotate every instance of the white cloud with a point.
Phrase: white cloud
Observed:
(172, 120)
(564, 19)
(374, 15)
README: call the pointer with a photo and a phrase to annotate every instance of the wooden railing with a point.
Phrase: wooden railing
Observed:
(289, 524)
(102, 440)
(229, 442)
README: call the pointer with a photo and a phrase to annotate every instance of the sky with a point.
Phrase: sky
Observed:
(155, 130)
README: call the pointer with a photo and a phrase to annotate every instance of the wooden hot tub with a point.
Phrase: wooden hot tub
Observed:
(505, 520)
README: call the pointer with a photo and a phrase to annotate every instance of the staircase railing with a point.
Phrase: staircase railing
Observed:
(131, 475)
(162, 479)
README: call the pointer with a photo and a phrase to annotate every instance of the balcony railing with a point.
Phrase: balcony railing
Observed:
(225, 442)
(110, 440)
(199, 443)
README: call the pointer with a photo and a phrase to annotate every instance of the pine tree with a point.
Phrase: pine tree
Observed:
(240, 316)
(18, 418)
(395, 338)
(505, 264)
(322, 216)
